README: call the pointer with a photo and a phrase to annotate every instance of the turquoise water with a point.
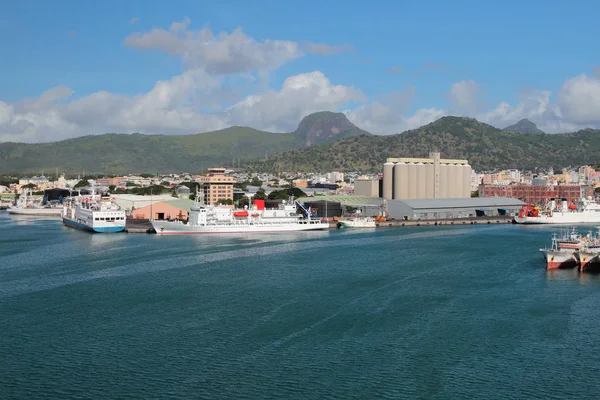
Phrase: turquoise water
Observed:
(418, 313)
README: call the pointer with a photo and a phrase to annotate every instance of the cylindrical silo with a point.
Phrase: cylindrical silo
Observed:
(400, 180)
(388, 180)
(421, 181)
(457, 170)
(444, 189)
(430, 181)
(412, 181)
(467, 180)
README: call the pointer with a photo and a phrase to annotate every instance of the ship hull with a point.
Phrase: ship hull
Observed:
(590, 261)
(97, 229)
(177, 228)
(561, 218)
(38, 212)
(560, 259)
(357, 223)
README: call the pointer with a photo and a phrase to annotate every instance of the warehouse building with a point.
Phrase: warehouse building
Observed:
(435, 209)
(365, 205)
(426, 178)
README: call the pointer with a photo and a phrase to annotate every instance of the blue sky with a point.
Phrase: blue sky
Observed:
(505, 48)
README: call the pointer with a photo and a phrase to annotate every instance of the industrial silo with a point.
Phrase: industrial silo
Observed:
(466, 170)
(388, 180)
(455, 180)
(444, 181)
(400, 180)
(421, 181)
(412, 181)
(430, 181)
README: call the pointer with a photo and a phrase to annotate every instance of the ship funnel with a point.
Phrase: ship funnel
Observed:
(565, 206)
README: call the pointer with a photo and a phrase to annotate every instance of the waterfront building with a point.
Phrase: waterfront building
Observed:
(437, 209)
(164, 210)
(538, 193)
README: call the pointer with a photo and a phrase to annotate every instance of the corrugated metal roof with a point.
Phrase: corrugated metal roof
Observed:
(351, 200)
(470, 202)
(183, 204)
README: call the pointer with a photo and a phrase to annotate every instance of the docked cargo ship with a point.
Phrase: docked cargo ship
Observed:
(26, 204)
(204, 219)
(94, 213)
(583, 211)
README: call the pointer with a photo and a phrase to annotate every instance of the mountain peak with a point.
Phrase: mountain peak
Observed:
(525, 127)
(325, 126)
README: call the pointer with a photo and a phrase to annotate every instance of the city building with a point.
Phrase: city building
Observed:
(106, 182)
(436, 209)
(426, 178)
(300, 183)
(335, 176)
(216, 185)
(537, 193)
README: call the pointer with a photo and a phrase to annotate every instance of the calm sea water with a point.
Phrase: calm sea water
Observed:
(419, 313)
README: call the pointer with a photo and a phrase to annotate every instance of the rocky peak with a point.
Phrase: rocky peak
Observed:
(323, 127)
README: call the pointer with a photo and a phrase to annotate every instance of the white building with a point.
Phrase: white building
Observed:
(335, 176)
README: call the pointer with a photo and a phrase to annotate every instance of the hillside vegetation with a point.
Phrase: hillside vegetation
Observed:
(486, 148)
(124, 153)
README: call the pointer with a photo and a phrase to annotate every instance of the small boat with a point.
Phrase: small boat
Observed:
(357, 222)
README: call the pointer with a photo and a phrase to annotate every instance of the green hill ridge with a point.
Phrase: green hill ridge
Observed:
(135, 153)
(486, 148)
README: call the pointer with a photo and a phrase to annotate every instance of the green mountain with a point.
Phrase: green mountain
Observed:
(525, 127)
(136, 153)
(486, 148)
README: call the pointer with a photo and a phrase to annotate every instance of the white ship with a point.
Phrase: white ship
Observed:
(93, 213)
(583, 211)
(357, 222)
(205, 219)
(26, 204)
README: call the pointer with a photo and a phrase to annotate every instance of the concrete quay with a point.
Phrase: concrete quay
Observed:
(444, 222)
(144, 226)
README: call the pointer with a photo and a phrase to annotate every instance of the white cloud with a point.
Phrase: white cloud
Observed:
(171, 107)
(465, 97)
(579, 99)
(387, 115)
(225, 53)
(300, 95)
(325, 49)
